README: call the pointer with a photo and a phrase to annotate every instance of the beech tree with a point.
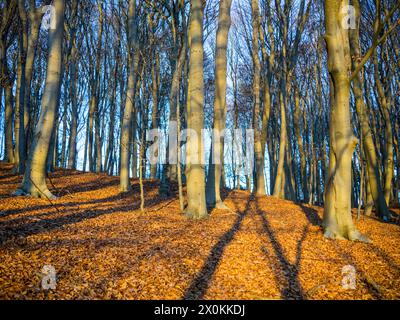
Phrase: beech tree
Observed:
(315, 81)
(34, 181)
(196, 207)
(129, 99)
(215, 170)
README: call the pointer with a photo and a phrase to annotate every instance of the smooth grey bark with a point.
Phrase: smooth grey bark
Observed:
(34, 181)
(337, 220)
(213, 185)
(129, 100)
(195, 176)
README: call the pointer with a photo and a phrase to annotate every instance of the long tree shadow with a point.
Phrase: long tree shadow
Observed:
(388, 259)
(87, 187)
(291, 287)
(12, 229)
(311, 215)
(61, 205)
(201, 282)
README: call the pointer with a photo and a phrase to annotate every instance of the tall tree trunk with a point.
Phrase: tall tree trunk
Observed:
(64, 124)
(303, 163)
(34, 181)
(367, 139)
(20, 90)
(90, 131)
(269, 62)
(154, 116)
(169, 172)
(259, 183)
(213, 195)
(129, 101)
(279, 180)
(8, 113)
(111, 128)
(19, 116)
(86, 148)
(35, 16)
(195, 176)
(179, 166)
(337, 211)
(94, 146)
(74, 110)
(388, 152)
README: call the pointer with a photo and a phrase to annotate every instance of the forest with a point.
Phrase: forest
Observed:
(200, 149)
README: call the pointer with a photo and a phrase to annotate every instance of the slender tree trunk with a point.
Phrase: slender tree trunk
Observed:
(64, 123)
(269, 61)
(279, 180)
(362, 178)
(129, 101)
(98, 140)
(213, 195)
(142, 168)
(19, 116)
(86, 149)
(35, 16)
(179, 171)
(388, 152)
(154, 115)
(259, 184)
(169, 172)
(369, 202)
(296, 124)
(133, 143)
(21, 88)
(9, 154)
(74, 110)
(367, 139)
(90, 131)
(111, 128)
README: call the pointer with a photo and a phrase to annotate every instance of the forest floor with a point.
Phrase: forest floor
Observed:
(103, 247)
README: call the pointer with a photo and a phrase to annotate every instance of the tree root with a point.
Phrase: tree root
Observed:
(46, 194)
(218, 205)
(353, 235)
(19, 193)
(221, 205)
(194, 215)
